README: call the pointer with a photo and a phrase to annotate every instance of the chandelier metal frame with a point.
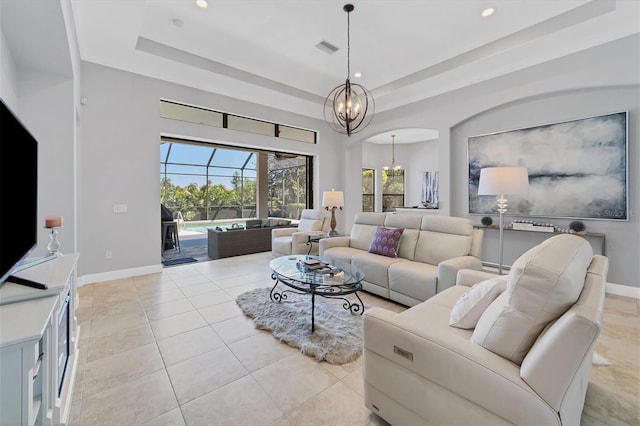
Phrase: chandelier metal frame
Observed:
(350, 106)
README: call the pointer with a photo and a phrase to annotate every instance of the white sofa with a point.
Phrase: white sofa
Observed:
(527, 361)
(431, 251)
(285, 241)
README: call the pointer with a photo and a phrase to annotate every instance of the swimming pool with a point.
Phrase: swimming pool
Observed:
(201, 226)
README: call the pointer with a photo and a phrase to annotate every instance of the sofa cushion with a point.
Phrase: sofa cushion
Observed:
(411, 226)
(307, 225)
(413, 279)
(374, 267)
(340, 256)
(471, 305)
(435, 247)
(385, 241)
(363, 229)
(542, 284)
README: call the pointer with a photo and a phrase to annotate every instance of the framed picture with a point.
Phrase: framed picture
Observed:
(577, 169)
(429, 197)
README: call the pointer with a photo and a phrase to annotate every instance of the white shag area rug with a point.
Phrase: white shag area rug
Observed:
(337, 338)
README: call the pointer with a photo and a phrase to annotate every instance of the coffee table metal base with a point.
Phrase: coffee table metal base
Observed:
(326, 291)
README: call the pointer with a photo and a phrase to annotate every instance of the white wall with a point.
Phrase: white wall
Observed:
(420, 157)
(8, 77)
(415, 158)
(42, 95)
(121, 129)
(592, 82)
(623, 238)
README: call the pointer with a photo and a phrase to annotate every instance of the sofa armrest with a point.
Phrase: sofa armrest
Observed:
(299, 242)
(469, 277)
(448, 270)
(326, 243)
(282, 232)
(399, 348)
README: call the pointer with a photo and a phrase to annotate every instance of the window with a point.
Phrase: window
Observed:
(288, 185)
(392, 189)
(368, 190)
(199, 115)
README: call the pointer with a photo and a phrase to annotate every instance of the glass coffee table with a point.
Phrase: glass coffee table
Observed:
(325, 281)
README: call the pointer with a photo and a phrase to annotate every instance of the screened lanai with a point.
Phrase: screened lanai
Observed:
(205, 185)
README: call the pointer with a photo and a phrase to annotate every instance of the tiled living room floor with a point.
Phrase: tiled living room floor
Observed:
(173, 348)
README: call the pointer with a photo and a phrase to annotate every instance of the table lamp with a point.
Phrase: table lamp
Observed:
(332, 200)
(503, 181)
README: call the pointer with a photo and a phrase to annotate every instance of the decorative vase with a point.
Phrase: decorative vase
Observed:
(54, 244)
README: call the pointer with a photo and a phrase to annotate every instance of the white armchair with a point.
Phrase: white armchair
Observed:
(294, 240)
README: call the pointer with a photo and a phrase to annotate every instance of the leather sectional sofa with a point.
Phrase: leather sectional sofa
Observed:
(525, 358)
(431, 251)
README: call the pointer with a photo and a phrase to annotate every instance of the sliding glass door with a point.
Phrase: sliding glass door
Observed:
(209, 183)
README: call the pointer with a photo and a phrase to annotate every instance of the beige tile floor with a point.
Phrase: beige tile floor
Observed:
(173, 348)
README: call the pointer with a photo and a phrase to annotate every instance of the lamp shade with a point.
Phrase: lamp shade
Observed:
(332, 199)
(503, 181)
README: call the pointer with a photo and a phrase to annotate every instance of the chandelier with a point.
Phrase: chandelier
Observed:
(393, 156)
(349, 107)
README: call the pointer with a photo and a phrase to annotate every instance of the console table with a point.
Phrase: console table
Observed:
(518, 241)
(39, 345)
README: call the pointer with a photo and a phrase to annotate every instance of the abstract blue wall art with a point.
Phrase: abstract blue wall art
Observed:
(577, 169)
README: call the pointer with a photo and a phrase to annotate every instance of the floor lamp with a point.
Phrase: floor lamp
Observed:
(332, 200)
(503, 181)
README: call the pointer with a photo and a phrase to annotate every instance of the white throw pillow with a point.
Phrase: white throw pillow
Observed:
(470, 306)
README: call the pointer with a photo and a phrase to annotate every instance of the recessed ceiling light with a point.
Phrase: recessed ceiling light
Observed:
(357, 75)
(487, 12)
(201, 4)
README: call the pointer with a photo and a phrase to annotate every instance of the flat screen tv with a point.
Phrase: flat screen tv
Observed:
(18, 192)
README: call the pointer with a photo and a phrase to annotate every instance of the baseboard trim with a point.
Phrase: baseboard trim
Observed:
(117, 275)
(623, 290)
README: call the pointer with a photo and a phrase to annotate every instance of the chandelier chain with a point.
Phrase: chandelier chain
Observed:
(348, 46)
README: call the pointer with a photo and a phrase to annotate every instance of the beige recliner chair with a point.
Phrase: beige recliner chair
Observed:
(287, 241)
(514, 349)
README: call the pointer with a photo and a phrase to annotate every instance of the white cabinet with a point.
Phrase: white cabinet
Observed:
(26, 355)
(38, 345)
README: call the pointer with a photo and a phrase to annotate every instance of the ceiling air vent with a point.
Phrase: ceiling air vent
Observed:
(327, 47)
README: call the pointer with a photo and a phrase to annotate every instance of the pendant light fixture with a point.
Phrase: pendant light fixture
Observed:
(394, 166)
(349, 107)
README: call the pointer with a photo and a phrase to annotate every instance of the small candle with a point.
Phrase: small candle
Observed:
(53, 222)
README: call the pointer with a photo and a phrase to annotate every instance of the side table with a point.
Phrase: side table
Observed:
(315, 238)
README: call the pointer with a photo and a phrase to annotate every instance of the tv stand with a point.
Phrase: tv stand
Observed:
(28, 283)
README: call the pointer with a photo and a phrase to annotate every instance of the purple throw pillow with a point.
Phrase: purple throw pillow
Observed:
(385, 241)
